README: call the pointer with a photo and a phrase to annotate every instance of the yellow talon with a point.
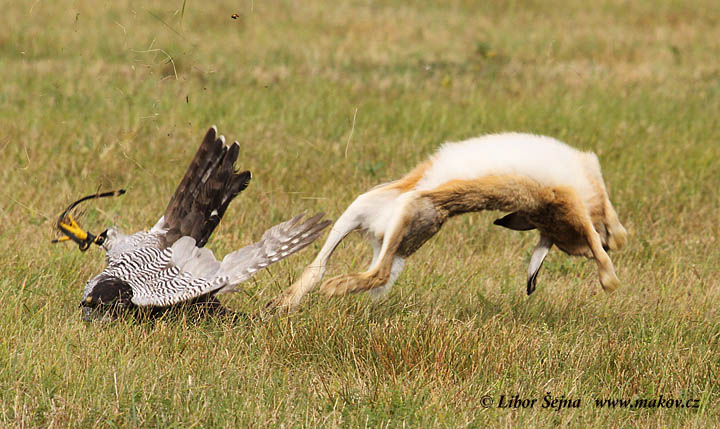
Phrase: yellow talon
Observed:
(67, 225)
(72, 228)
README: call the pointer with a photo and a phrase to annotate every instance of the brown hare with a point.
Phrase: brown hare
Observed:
(541, 182)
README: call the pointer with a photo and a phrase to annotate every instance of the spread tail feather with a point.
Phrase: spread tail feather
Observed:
(276, 244)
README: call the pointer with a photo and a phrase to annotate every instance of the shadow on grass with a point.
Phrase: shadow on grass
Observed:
(206, 310)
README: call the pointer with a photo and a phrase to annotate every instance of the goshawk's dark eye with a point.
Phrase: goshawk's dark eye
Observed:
(109, 291)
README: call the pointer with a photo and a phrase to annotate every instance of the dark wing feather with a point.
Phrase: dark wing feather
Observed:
(205, 191)
(217, 193)
(209, 152)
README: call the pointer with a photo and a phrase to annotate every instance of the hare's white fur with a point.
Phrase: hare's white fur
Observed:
(543, 159)
(543, 183)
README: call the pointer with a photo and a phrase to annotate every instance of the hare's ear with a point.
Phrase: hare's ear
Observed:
(515, 221)
(536, 261)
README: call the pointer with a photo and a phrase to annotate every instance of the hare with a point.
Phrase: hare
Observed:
(543, 183)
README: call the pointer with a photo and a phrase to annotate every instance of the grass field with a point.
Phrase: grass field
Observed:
(328, 99)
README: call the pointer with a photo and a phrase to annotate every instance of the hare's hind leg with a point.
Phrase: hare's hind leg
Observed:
(380, 272)
(360, 215)
(397, 266)
(349, 221)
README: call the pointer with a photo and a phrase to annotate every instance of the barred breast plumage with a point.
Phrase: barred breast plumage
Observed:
(168, 264)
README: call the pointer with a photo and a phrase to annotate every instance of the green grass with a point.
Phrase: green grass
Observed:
(119, 94)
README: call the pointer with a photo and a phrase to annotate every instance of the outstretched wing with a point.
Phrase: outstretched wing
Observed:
(185, 271)
(205, 191)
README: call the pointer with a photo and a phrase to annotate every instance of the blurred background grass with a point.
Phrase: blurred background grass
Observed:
(328, 99)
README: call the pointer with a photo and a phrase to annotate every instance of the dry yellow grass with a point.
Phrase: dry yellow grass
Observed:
(118, 94)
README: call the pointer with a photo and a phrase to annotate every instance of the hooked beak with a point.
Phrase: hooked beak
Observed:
(89, 314)
(72, 231)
